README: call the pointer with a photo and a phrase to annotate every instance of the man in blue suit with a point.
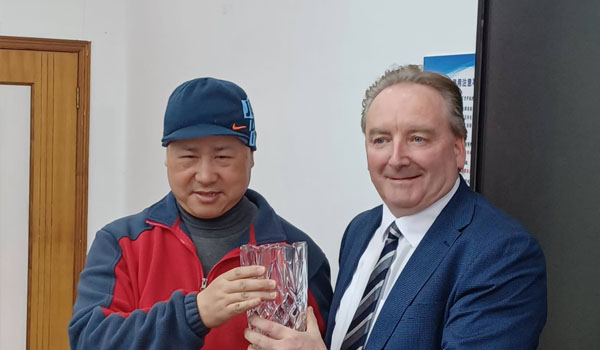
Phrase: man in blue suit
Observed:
(436, 266)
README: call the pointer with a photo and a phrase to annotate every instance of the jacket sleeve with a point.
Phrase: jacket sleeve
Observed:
(102, 322)
(501, 301)
(320, 294)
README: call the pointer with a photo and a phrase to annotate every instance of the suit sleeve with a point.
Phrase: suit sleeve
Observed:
(101, 321)
(501, 302)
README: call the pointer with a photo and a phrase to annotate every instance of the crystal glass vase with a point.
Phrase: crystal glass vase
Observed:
(287, 265)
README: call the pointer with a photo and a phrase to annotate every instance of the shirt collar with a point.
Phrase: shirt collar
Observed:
(415, 226)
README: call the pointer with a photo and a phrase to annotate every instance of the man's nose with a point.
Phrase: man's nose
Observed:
(205, 173)
(400, 154)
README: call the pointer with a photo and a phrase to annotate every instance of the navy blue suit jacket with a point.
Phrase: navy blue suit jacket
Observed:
(477, 280)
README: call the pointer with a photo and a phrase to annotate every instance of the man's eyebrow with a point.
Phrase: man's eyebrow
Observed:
(187, 148)
(425, 130)
(377, 131)
(218, 148)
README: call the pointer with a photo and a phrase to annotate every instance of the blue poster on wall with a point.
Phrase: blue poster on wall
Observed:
(461, 69)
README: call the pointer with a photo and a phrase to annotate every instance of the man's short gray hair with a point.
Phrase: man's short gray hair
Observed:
(414, 74)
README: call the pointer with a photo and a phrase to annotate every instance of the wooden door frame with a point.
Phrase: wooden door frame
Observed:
(82, 49)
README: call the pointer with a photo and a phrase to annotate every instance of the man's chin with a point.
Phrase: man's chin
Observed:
(207, 215)
(207, 211)
(403, 206)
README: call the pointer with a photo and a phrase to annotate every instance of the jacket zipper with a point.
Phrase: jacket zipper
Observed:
(189, 245)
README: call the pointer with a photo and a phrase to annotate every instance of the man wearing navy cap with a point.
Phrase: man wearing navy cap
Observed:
(169, 277)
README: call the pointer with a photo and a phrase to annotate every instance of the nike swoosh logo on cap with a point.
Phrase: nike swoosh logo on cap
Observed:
(236, 128)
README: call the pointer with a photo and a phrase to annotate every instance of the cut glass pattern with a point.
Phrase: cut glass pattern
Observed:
(287, 265)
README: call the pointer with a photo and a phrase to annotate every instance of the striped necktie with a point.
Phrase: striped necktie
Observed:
(363, 317)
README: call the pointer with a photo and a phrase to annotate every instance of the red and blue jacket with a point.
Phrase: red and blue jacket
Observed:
(138, 289)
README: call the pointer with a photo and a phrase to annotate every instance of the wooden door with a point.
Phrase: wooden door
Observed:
(58, 73)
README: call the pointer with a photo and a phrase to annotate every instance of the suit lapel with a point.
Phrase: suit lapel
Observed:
(421, 265)
(358, 236)
(358, 244)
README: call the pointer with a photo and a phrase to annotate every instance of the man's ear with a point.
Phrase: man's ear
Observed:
(460, 152)
(251, 159)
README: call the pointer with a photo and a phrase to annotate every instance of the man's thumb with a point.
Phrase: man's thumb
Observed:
(312, 326)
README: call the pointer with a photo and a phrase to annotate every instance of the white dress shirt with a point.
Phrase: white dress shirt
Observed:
(413, 229)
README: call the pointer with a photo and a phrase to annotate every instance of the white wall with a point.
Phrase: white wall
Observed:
(104, 24)
(15, 128)
(304, 64)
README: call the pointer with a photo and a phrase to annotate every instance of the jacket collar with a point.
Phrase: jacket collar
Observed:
(267, 225)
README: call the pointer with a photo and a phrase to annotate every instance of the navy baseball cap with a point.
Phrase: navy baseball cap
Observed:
(209, 107)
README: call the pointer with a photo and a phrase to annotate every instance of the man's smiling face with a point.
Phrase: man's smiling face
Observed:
(209, 175)
(412, 154)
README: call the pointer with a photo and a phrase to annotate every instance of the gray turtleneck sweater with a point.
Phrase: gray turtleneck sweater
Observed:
(216, 237)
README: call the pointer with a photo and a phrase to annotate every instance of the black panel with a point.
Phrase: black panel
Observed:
(538, 146)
